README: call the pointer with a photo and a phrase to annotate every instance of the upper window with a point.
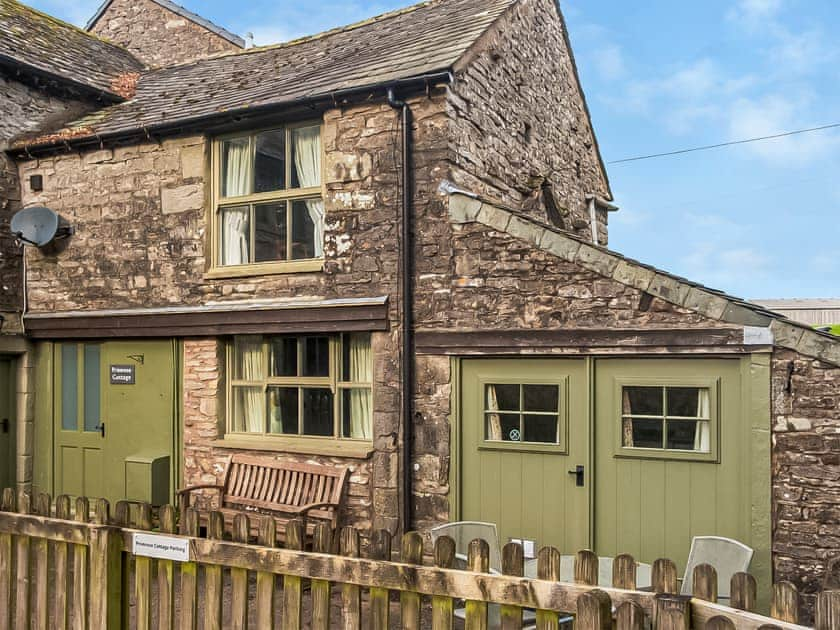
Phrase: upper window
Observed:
(522, 413)
(317, 386)
(666, 418)
(269, 207)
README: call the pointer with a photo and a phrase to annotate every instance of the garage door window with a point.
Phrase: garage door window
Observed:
(522, 413)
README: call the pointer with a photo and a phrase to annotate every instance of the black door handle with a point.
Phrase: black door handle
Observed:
(578, 473)
(4, 424)
(101, 428)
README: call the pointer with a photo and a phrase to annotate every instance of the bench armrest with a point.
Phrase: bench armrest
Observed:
(304, 509)
(184, 494)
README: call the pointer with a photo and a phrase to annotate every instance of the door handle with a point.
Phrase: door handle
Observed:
(4, 425)
(101, 428)
(578, 473)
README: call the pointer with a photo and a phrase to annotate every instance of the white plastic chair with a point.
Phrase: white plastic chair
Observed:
(727, 556)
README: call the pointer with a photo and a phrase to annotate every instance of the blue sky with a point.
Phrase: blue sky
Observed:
(757, 220)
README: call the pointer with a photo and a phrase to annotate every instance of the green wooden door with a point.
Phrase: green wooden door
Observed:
(99, 421)
(524, 427)
(669, 463)
(7, 425)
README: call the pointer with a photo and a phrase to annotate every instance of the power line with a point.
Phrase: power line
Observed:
(725, 144)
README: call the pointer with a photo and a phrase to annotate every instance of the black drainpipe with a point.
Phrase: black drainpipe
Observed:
(407, 287)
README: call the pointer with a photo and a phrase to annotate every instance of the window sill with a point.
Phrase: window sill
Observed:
(265, 269)
(298, 445)
(524, 447)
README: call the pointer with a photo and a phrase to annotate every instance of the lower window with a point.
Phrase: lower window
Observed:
(314, 385)
(666, 418)
(522, 413)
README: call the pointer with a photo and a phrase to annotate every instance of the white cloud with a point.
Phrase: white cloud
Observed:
(265, 35)
(719, 266)
(752, 12)
(609, 62)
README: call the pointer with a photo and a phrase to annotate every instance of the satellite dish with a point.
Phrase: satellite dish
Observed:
(39, 226)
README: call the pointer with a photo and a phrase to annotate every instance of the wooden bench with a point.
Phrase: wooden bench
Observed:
(281, 490)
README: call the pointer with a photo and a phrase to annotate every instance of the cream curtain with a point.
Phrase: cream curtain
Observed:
(361, 371)
(626, 423)
(308, 164)
(494, 423)
(238, 176)
(250, 368)
(702, 433)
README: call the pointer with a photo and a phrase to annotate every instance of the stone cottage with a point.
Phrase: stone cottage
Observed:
(383, 248)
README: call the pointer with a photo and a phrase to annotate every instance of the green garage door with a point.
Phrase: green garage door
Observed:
(524, 428)
(7, 424)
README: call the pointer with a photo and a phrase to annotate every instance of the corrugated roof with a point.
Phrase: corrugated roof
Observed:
(183, 12)
(52, 47)
(422, 39)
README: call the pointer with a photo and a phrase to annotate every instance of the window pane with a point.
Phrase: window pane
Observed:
(69, 388)
(541, 429)
(642, 401)
(248, 410)
(541, 398)
(283, 410)
(236, 176)
(316, 356)
(305, 216)
(248, 359)
(283, 356)
(92, 385)
(682, 435)
(306, 157)
(270, 161)
(235, 235)
(503, 427)
(269, 232)
(646, 434)
(356, 359)
(502, 397)
(356, 406)
(318, 412)
(685, 401)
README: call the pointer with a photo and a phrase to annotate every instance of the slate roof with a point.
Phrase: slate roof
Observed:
(466, 207)
(179, 10)
(409, 43)
(57, 49)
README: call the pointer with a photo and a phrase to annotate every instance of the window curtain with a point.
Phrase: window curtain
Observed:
(361, 371)
(627, 423)
(494, 423)
(237, 180)
(253, 400)
(308, 164)
(702, 432)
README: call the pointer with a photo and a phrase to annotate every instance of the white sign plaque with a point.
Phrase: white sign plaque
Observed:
(161, 547)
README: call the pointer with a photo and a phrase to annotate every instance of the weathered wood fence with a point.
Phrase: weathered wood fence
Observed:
(65, 566)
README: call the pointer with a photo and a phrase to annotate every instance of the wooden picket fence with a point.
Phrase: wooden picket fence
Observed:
(63, 566)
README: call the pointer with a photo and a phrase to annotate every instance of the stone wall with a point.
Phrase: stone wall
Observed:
(806, 471)
(157, 36)
(519, 120)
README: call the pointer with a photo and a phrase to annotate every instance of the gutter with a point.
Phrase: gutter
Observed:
(407, 290)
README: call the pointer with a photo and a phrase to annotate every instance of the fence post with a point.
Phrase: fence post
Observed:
(784, 604)
(351, 595)
(80, 570)
(239, 577)
(166, 574)
(513, 563)
(40, 557)
(22, 546)
(672, 612)
(743, 590)
(586, 568)
(548, 568)
(380, 549)
(704, 584)
(629, 616)
(594, 611)
(265, 580)
(292, 583)
(62, 573)
(189, 575)
(7, 504)
(322, 542)
(828, 611)
(143, 574)
(411, 552)
(478, 561)
(624, 572)
(105, 569)
(664, 576)
(122, 517)
(213, 577)
(442, 607)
